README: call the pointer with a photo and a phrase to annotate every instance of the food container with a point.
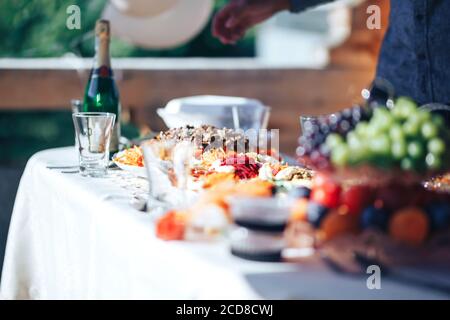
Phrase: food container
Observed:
(260, 224)
(257, 245)
(218, 111)
(260, 212)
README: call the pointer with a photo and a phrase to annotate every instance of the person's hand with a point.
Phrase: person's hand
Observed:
(233, 20)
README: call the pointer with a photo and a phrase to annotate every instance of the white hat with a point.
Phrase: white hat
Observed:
(143, 8)
(157, 24)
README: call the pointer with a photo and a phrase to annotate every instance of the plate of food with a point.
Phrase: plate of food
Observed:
(131, 160)
(216, 170)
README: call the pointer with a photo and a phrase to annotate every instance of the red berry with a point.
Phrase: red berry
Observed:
(332, 188)
(356, 199)
(327, 198)
(325, 191)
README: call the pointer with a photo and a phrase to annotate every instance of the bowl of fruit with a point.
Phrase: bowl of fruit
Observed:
(368, 195)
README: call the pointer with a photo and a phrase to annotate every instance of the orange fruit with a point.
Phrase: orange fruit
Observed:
(409, 225)
(338, 222)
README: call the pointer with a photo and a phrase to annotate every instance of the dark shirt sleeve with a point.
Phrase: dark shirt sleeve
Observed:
(302, 5)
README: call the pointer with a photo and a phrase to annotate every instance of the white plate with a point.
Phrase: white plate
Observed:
(213, 105)
(217, 111)
(137, 171)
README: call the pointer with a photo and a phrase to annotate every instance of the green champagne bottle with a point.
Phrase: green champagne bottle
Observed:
(101, 94)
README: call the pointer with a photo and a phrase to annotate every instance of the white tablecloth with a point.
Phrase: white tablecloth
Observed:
(71, 238)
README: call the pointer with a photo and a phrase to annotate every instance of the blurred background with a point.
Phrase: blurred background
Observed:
(313, 63)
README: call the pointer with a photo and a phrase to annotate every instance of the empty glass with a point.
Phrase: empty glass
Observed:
(77, 106)
(93, 131)
(309, 124)
(183, 154)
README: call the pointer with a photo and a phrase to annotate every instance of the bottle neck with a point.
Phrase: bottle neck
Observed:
(102, 57)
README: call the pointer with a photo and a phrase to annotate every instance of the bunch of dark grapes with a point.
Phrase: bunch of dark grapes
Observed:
(312, 150)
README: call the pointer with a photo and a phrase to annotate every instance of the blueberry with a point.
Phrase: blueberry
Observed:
(347, 113)
(356, 114)
(344, 126)
(439, 215)
(324, 128)
(300, 192)
(302, 140)
(301, 151)
(374, 218)
(316, 212)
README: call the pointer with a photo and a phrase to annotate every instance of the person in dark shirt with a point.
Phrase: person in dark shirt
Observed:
(415, 56)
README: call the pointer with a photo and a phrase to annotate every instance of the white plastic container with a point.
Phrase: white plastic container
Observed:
(218, 111)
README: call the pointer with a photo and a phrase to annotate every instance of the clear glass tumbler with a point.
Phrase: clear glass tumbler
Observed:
(308, 124)
(93, 131)
(77, 106)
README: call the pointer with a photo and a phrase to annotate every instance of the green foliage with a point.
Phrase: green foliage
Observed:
(37, 28)
(23, 133)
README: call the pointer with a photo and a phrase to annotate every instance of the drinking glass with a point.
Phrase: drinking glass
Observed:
(308, 124)
(182, 157)
(77, 106)
(93, 131)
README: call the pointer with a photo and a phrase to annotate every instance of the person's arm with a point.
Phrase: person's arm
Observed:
(233, 20)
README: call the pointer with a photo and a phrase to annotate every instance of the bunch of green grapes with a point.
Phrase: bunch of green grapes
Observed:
(404, 137)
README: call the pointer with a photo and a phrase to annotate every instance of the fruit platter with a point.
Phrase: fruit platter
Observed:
(379, 189)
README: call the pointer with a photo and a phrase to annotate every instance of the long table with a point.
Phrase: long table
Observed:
(73, 237)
